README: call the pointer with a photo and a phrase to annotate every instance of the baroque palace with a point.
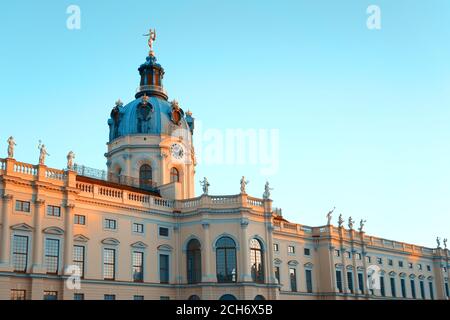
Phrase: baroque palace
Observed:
(137, 231)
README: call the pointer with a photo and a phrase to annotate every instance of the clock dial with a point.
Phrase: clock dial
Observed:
(177, 151)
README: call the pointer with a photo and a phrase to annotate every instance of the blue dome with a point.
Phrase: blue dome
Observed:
(146, 115)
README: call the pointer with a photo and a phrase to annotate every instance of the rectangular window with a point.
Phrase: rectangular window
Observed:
(20, 253)
(428, 268)
(109, 264)
(307, 252)
(79, 219)
(361, 282)
(110, 297)
(18, 294)
(291, 249)
(164, 268)
(337, 253)
(277, 274)
(413, 288)
(276, 248)
(53, 211)
(138, 266)
(430, 284)
(390, 262)
(22, 206)
(382, 287)
(380, 260)
(350, 281)
(358, 256)
(393, 289)
(293, 279)
(78, 258)
(309, 284)
(138, 228)
(339, 280)
(78, 296)
(52, 256)
(138, 298)
(403, 285)
(410, 265)
(110, 224)
(422, 289)
(368, 259)
(447, 291)
(163, 232)
(400, 264)
(50, 295)
(164, 298)
(420, 266)
(348, 254)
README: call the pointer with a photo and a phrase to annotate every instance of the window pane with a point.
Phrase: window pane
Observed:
(78, 258)
(20, 253)
(52, 255)
(109, 258)
(164, 268)
(138, 267)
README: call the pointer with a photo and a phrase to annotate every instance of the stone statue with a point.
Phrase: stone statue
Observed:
(438, 241)
(144, 115)
(330, 216)
(340, 221)
(11, 145)
(267, 190)
(205, 186)
(43, 153)
(361, 225)
(151, 38)
(70, 157)
(445, 243)
(244, 184)
(350, 223)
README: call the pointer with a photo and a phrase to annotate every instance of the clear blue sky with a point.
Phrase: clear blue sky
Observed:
(363, 115)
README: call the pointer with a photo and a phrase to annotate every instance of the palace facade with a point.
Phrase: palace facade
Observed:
(137, 231)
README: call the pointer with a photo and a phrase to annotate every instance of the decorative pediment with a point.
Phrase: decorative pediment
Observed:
(53, 230)
(165, 247)
(339, 266)
(430, 278)
(360, 268)
(412, 276)
(382, 272)
(421, 277)
(293, 263)
(349, 267)
(277, 261)
(402, 275)
(111, 241)
(392, 273)
(308, 265)
(22, 227)
(80, 238)
(139, 245)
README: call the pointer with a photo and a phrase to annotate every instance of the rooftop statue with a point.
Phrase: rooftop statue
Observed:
(151, 38)
(445, 243)
(244, 184)
(330, 216)
(267, 190)
(438, 241)
(350, 223)
(340, 221)
(70, 158)
(205, 186)
(361, 225)
(11, 145)
(43, 153)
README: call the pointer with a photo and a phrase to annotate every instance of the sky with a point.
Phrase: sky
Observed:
(362, 115)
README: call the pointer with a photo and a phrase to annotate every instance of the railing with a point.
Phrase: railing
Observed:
(151, 88)
(55, 174)
(255, 202)
(225, 199)
(144, 184)
(25, 168)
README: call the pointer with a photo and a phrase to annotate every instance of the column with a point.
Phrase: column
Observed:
(39, 211)
(244, 273)
(208, 274)
(5, 238)
(68, 236)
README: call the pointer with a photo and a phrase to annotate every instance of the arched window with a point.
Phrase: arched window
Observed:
(145, 176)
(174, 175)
(228, 297)
(226, 260)
(260, 297)
(194, 298)
(256, 261)
(194, 262)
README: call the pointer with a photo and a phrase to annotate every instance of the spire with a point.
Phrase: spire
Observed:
(151, 73)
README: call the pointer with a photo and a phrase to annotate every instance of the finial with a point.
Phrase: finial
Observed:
(119, 103)
(189, 113)
(151, 38)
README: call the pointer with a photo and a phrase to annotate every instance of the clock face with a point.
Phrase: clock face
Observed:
(177, 151)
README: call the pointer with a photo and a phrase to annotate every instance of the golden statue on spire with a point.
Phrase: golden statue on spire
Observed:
(151, 38)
